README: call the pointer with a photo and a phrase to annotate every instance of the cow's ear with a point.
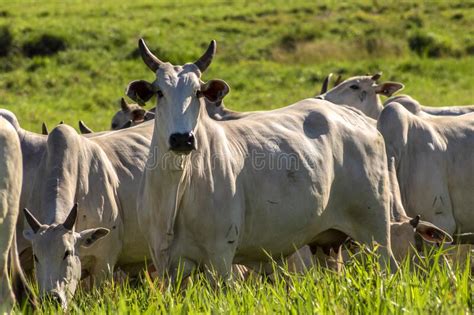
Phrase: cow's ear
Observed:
(431, 233)
(140, 91)
(88, 237)
(389, 88)
(215, 90)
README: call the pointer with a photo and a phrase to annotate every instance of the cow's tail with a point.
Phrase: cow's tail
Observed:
(20, 286)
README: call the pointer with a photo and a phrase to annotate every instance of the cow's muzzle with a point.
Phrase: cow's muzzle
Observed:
(182, 143)
(56, 298)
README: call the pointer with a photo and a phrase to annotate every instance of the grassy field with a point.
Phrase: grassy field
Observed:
(72, 60)
(431, 286)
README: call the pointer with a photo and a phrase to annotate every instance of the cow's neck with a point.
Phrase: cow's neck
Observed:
(374, 112)
(58, 190)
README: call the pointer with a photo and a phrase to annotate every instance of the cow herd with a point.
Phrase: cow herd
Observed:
(190, 185)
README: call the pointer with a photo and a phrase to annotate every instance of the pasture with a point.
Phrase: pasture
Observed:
(71, 61)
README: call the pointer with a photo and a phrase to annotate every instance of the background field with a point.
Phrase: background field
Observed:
(72, 60)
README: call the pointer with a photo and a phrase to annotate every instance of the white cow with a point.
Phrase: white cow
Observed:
(10, 190)
(362, 92)
(102, 175)
(435, 165)
(218, 192)
(33, 146)
(415, 107)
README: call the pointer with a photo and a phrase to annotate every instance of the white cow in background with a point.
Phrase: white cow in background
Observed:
(435, 166)
(363, 93)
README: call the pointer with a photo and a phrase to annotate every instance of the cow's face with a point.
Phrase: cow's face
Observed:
(180, 94)
(361, 92)
(56, 254)
(404, 236)
(130, 115)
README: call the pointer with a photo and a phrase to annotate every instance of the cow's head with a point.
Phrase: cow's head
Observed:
(180, 94)
(362, 93)
(130, 115)
(56, 254)
(408, 233)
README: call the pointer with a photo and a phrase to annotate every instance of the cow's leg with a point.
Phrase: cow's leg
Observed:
(376, 231)
(181, 269)
(6, 293)
(106, 257)
(102, 270)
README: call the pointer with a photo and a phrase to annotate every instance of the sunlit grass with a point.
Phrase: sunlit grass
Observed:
(431, 285)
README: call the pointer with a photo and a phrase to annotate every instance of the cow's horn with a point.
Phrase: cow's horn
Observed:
(414, 222)
(44, 129)
(325, 86)
(83, 128)
(30, 218)
(150, 60)
(376, 76)
(206, 59)
(71, 218)
(124, 105)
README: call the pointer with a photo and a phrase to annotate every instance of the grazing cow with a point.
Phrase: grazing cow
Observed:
(435, 165)
(362, 92)
(101, 174)
(10, 190)
(218, 192)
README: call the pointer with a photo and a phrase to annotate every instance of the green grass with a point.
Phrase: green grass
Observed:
(430, 286)
(272, 53)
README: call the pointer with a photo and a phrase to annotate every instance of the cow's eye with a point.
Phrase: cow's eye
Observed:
(67, 254)
(35, 258)
(114, 125)
(198, 94)
(159, 93)
(354, 87)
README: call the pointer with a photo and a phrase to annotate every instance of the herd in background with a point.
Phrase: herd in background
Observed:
(363, 170)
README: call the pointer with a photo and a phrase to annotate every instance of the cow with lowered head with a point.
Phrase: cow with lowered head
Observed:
(100, 174)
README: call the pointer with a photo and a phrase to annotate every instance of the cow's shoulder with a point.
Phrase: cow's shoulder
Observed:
(63, 135)
(406, 101)
(394, 115)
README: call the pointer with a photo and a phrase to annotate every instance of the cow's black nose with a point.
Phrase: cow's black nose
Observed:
(182, 142)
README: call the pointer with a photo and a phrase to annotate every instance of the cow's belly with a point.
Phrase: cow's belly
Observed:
(284, 210)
